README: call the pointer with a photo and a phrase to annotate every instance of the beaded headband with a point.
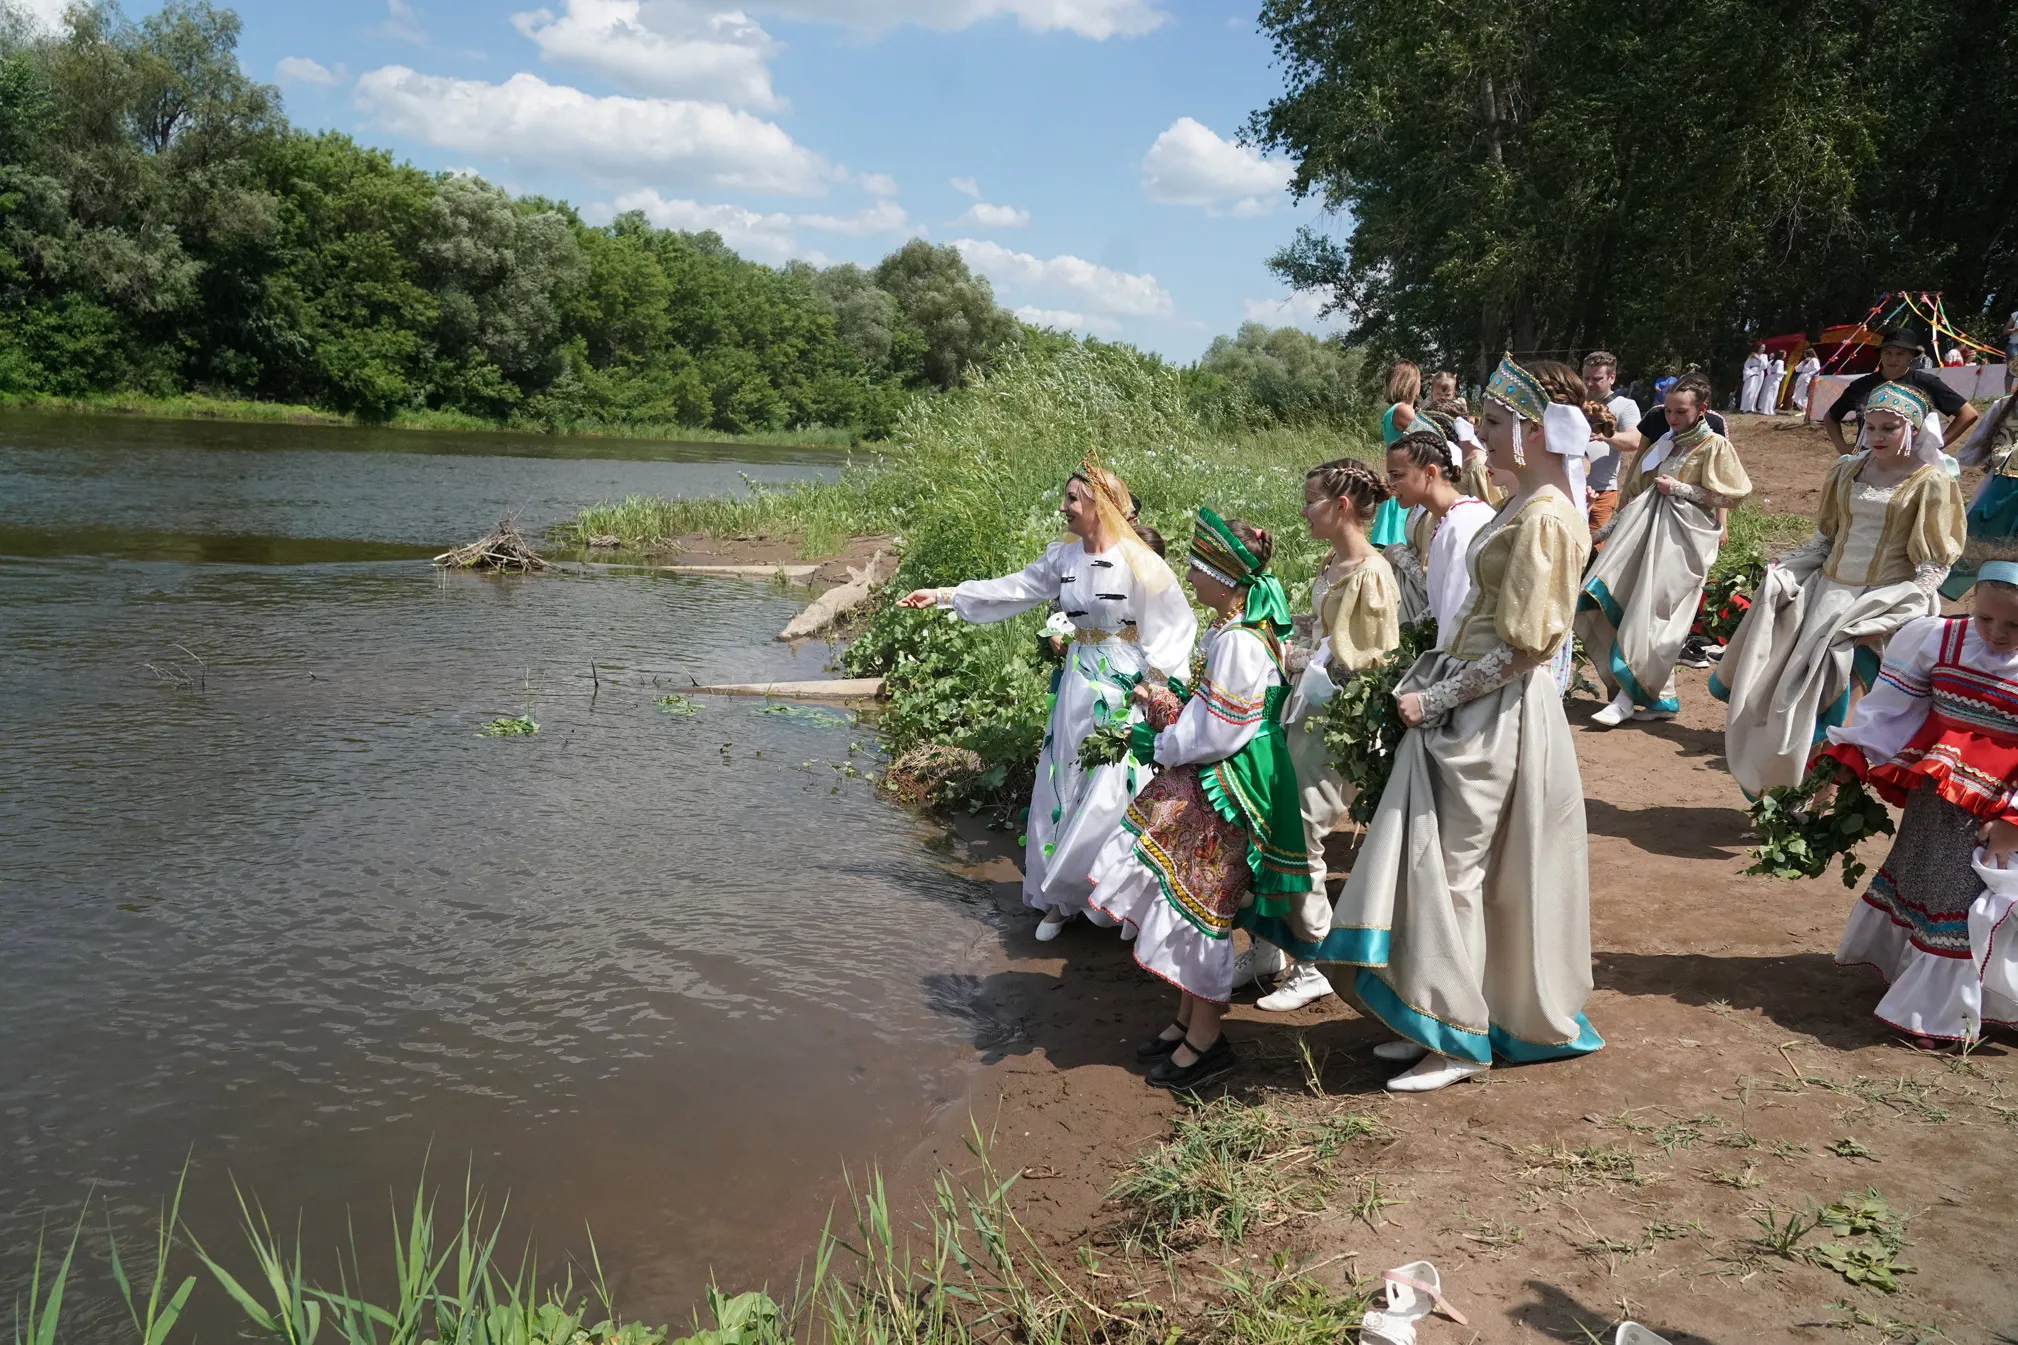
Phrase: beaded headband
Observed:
(1902, 399)
(1217, 551)
(1518, 391)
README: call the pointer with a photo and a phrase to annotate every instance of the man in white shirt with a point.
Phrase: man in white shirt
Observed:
(1601, 488)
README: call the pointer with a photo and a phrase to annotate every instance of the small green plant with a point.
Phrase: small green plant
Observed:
(1781, 1236)
(1288, 1306)
(806, 714)
(675, 704)
(509, 726)
(1850, 1148)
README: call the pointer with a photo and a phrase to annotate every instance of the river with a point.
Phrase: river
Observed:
(270, 904)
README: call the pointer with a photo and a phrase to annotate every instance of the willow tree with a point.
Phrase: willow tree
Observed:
(1662, 178)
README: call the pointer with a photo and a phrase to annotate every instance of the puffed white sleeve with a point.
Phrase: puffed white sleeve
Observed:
(1225, 710)
(985, 600)
(1895, 707)
(1167, 629)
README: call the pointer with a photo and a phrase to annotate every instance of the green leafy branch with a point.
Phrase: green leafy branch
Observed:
(1797, 840)
(1361, 725)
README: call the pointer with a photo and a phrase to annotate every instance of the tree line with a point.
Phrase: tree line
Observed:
(164, 229)
(1665, 178)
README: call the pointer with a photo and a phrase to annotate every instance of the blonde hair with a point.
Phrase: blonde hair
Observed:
(1404, 382)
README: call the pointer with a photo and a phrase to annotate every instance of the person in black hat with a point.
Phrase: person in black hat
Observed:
(1897, 348)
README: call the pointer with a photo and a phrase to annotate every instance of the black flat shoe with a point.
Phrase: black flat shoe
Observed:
(1156, 1048)
(1212, 1065)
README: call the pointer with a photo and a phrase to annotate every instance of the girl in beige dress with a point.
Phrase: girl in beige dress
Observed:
(1355, 619)
(1891, 525)
(1468, 910)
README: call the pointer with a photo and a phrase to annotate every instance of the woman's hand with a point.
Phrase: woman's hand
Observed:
(920, 597)
(1409, 706)
(1141, 694)
(1999, 839)
(1666, 484)
(1826, 794)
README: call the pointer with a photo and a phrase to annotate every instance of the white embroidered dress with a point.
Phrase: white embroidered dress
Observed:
(1125, 622)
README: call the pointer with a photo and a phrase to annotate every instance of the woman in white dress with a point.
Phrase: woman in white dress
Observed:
(1804, 378)
(1468, 910)
(1129, 618)
(1891, 525)
(1938, 737)
(1423, 472)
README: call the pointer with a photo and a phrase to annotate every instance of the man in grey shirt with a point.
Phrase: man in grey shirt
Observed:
(1601, 487)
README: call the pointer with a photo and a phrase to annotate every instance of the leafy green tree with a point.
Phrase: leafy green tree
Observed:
(948, 321)
(1657, 179)
(1284, 375)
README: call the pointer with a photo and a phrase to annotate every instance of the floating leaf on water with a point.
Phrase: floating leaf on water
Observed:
(512, 726)
(676, 704)
(807, 714)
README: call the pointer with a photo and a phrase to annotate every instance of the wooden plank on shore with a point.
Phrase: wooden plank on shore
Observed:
(835, 689)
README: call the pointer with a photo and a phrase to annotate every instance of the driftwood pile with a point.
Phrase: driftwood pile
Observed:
(505, 549)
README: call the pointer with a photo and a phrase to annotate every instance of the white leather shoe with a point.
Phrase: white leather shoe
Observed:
(1632, 1333)
(1411, 1293)
(1616, 713)
(1402, 1052)
(1434, 1072)
(1052, 925)
(1305, 984)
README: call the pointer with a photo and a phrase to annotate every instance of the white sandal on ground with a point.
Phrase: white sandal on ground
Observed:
(1052, 925)
(1433, 1072)
(1413, 1292)
(1402, 1052)
(1632, 1333)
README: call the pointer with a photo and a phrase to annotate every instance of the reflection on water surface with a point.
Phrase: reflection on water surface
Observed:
(661, 974)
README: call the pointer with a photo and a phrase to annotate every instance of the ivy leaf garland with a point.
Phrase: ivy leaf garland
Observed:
(1106, 746)
(1361, 725)
(1795, 841)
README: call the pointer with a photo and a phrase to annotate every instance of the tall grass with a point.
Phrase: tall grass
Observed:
(969, 484)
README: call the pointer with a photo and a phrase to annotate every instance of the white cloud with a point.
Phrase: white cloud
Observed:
(1298, 309)
(967, 186)
(660, 47)
(766, 237)
(1107, 291)
(1189, 165)
(995, 216)
(1066, 320)
(877, 184)
(1096, 19)
(402, 23)
(303, 70)
(885, 216)
(769, 237)
(43, 15)
(530, 122)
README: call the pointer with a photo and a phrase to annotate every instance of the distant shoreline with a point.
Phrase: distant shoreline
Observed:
(283, 413)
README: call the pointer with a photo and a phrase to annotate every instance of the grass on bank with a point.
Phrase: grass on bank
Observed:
(970, 1271)
(198, 407)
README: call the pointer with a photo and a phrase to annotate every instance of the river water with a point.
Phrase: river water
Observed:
(270, 904)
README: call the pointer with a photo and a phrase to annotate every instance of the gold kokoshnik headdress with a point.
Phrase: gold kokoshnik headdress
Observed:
(1113, 503)
(1566, 431)
(1912, 405)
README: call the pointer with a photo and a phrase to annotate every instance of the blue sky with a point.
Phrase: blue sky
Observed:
(1078, 151)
